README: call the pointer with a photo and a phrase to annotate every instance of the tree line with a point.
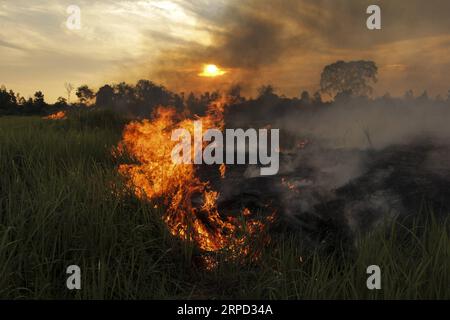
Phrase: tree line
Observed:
(339, 81)
(138, 99)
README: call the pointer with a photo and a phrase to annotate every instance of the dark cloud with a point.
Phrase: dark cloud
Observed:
(260, 39)
(250, 42)
(243, 39)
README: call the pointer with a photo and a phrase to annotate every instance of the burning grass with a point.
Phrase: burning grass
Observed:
(58, 208)
(60, 115)
(155, 177)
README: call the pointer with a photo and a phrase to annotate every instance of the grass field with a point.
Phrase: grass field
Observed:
(58, 208)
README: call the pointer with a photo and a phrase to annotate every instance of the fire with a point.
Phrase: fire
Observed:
(60, 115)
(223, 170)
(154, 177)
(211, 71)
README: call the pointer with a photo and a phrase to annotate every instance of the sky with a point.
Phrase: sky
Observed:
(285, 43)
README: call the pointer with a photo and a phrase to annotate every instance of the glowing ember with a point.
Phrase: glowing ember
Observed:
(156, 177)
(60, 115)
(212, 71)
(223, 170)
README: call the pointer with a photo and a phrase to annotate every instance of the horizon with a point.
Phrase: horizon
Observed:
(249, 97)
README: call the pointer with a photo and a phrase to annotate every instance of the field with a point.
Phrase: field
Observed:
(58, 207)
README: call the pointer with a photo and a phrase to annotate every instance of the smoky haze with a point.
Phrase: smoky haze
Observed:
(287, 42)
(364, 160)
(375, 124)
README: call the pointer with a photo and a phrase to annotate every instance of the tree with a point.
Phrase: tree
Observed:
(151, 95)
(61, 102)
(423, 97)
(317, 98)
(305, 97)
(178, 101)
(234, 93)
(36, 104)
(409, 95)
(124, 95)
(39, 97)
(85, 94)
(266, 91)
(191, 102)
(207, 98)
(69, 88)
(8, 99)
(105, 96)
(354, 77)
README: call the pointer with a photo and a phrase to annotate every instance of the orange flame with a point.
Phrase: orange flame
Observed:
(156, 177)
(60, 115)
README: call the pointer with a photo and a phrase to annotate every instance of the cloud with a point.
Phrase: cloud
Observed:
(286, 42)
(9, 45)
(114, 34)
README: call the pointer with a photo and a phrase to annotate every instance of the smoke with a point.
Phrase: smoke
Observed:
(362, 124)
(357, 126)
(288, 42)
(250, 43)
(245, 42)
(367, 161)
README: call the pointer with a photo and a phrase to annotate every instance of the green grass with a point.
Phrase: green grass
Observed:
(58, 207)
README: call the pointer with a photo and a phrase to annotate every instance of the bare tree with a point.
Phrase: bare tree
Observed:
(69, 88)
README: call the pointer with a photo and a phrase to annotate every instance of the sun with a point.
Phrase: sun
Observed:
(211, 71)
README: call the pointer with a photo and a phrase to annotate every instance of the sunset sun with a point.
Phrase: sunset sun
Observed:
(211, 71)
